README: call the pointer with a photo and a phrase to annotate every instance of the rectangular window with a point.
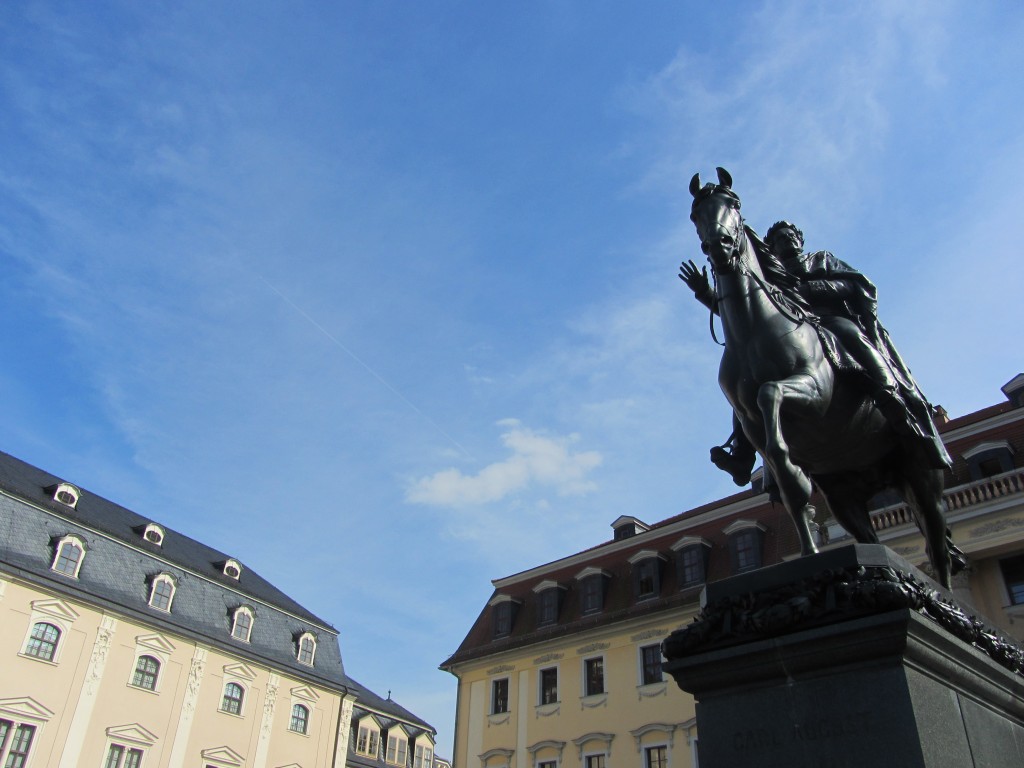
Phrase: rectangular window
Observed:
(746, 550)
(499, 696)
(593, 594)
(1013, 575)
(595, 761)
(423, 756)
(691, 565)
(366, 744)
(657, 757)
(650, 660)
(645, 578)
(593, 673)
(548, 608)
(397, 748)
(15, 743)
(502, 619)
(549, 685)
(547, 764)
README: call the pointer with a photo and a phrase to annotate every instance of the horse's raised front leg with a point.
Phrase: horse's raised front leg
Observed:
(801, 393)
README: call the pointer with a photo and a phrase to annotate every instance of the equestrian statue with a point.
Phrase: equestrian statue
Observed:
(816, 385)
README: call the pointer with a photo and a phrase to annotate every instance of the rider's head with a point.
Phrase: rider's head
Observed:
(784, 236)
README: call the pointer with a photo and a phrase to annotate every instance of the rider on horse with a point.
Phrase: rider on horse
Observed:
(843, 301)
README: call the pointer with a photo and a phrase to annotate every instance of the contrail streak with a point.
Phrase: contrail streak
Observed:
(366, 367)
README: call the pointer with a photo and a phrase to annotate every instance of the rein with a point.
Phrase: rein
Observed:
(775, 296)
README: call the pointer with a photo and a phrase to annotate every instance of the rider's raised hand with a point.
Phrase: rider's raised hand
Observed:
(696, 279)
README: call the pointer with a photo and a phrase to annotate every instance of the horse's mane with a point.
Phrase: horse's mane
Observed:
(774, 271)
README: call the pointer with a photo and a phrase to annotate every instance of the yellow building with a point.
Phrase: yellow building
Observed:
(562, 668)
(127, 645)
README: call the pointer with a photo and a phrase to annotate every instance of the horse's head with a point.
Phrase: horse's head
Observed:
(716, 214)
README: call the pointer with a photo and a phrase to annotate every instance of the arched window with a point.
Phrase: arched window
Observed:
(241, 628)
(233, 696)
(68, 559)
(146, 671)
(162, 593)
(300, 719)
(42, 643)
(307, 649)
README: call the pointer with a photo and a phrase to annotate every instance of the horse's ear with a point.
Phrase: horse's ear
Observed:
(724, 178)
(695, 184)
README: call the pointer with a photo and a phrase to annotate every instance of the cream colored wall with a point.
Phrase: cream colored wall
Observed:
(88, 691)
(626, 706)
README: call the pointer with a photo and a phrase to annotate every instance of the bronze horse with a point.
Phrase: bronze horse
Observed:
(806, 420)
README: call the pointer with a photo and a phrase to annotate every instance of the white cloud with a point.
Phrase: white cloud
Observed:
(537, 460)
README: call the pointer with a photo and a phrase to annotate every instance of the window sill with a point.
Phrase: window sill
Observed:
(546, 710)
(499, 718)
(232, 714)
(152, 691)
(30, 657)
(594, 700)
(304, 734)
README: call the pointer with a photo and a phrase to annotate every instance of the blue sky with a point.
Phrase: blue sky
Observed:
(380, 297)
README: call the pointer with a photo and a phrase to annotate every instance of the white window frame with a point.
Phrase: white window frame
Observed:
(508, 696)
(241, 704)
(157, 676)
(373, 734)
(583, 677)
(163, 578)
(128, 738)
(242, 610)
(540, 686)
(401, 742)
(69, 489)
(14, 727)
(158, 533)
(157, 646)
(72, 540)
(49, 611)
(423, 754)
(298, 649)
(237, 566)
(640, 664)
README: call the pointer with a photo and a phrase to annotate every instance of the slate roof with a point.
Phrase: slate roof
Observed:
(119, 565)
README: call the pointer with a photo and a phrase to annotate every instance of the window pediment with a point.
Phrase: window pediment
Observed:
(133, 733)
(305, 693)
(243, 671)
(58, 609)
(223, 755)
(157, 643)
(25, 708)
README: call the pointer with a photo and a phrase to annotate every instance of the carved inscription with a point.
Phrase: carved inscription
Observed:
(827, 728)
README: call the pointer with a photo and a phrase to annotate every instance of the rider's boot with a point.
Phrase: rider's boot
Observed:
(739, 463)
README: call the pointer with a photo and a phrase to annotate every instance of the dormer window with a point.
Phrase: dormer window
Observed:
(692, 560)
(549, 600)
(626, 527)
(241, 625)
(161, 594)
(306, 648)
(646, 574)
(745, 545)
(66, 494)
(988, 459)
(591, 588)
(232, 569)
(154, 534)
(504, 609)
(68, 556)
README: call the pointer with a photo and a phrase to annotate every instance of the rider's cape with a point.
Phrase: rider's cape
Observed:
(841, 290)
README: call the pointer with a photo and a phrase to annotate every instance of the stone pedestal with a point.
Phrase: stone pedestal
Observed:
(847, 658)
